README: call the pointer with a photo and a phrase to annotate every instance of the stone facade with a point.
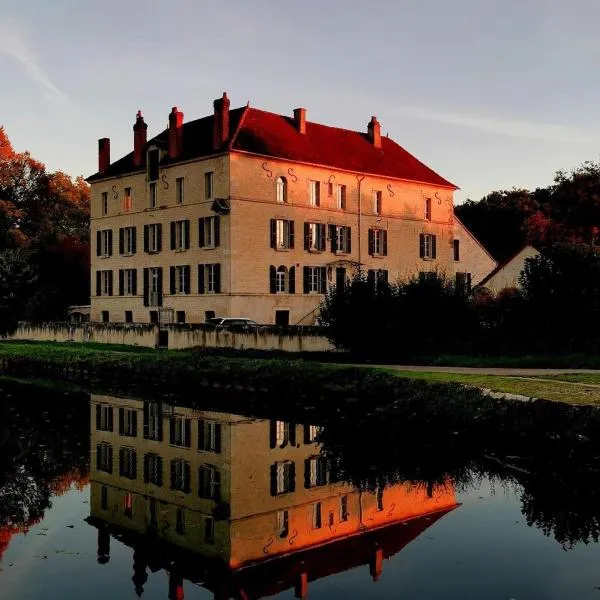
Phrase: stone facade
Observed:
(507, 275)
(472, 256)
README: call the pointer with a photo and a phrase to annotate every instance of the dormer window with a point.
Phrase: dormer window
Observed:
(153, 160)
(281, 190)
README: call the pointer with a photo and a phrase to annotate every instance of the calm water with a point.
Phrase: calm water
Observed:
(105, 497)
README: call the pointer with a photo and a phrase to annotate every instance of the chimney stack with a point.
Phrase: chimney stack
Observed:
(300, 119)
(103, 154)
(374, 132)
(175, 133)
(139, 139)
(221, 121)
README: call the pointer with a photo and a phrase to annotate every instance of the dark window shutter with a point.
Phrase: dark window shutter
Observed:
(146, 238)
(201, 240)
(121, 421)
(371, 277)
(186, 234)
(110, 283)
(187, 479)
(160, 285)
(292, 477)
(273, 229)
(146, 420)
(292, 281)
(371, 242)
(306, 279)
(188, 273)
(98, 283)
(291, 234)
(201, 431)
(306, 236)
(433, 246)
(173, 235)
(134, 465)
(160, 424)
(273, 279)
(121, 461)
(146, 468)
(134, 421)
(384, 242)
(217, 491)
(171, 431)
(98, 462)
(159, 468)
(272, 433)
(121, 241)
(172, 279)
(134, 283)
(333, 238)
(318, 190)
(188, 432)
(217, 278)
(110, 419)
(98, 243)
(110, 242)
(274, 480)
(217, 231)
(146, 287)
(134, 240)
(110, 459)
(121, 282)
(422, 245)
(292, 434)
(173, 474)
(384, 276)
(201, 279)
(218, 433)
(349, 230)
(98, 417)
(307, 462)
(307, 434)
(159, 237)
(323, 280)
(322, 237)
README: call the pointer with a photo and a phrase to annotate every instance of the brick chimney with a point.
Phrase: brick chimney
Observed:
(374, 132)
(300, 119)
(221, 121)
(175, 133)
(139, 139)
(103, 154)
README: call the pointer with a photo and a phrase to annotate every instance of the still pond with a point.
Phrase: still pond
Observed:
(114, 497)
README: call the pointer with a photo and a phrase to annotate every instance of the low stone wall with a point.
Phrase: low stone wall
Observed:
(292, 339)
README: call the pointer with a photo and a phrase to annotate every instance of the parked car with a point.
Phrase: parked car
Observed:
(236, 323)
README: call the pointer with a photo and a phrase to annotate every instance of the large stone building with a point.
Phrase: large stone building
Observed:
(253, 214)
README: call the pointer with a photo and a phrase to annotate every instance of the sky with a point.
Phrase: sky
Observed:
(492, 94)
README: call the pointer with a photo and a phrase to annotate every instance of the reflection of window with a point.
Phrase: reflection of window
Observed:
(180, 521)
(209, 481)
(180, 432)
(128, 422)
(153, 466)
(282, 478)
(344, 508)
(180, 476)
(283, 523)
(315, 473)
(310, 433)
(128, 463)
(128, 505)
(104, 458)
(209, 530)
(104, 417)
(283, 433)
(316, 515)
(153, 417)
(209, 436)
(281, 189)
(380, 499)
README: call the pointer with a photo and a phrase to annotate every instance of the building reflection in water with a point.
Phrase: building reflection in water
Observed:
(244, 507)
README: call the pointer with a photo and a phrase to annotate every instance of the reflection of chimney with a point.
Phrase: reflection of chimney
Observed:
(175, 586)
(374, 132)
(103, 154)
(139, 139)
(301, 588)
(103, 545)
(221, 121)
(175, 133)
(300, 119)
(376, 565)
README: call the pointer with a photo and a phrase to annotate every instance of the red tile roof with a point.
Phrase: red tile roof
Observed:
(269, 134)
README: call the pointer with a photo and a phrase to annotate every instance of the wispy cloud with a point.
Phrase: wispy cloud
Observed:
(523, 129)
(14, 43)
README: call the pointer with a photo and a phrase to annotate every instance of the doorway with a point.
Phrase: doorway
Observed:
(282, 318)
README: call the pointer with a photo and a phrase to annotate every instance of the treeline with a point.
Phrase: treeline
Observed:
(556, 311)
(44, 239)
(568, 211)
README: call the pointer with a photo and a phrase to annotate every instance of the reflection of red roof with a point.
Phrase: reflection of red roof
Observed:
(269, 134)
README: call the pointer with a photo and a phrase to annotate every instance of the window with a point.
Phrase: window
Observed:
(209, 483)
(310, 433)
(153, 158)
(127, 282)
(280, 277)
(153, 237)
(209, 279)
(180, 521)
(315, 471)
(428, 209)
(127, 422)
(281, 280)
(104, 283)
(104, 203)
(209, 436)
(180, 235)
(104, 498)
(377, 201)
(128, 316)
(154, 316)
(340, 197)
(314, 237)
(105, 243)
(128, 463)
(314, 190)
(343, 508)
(281, 189)
(283, 523)
(208, 185)
(180, 476)
(427, 246)
(209, 530)
(155, 274)
(179, 190)
(127, 200)
(153, 194)
(282, 318)
(282, 234)
(283, 478)
(104, 417)
(380, 499)
(180, 432)
(180, 316)
(315, 280)
(282, 434)
(180, 279)
(377, 277)
(104, 458)
(377, 242)
(105, 316)
(463, 283)
(209, 232)
(341, 239)
(153, 469)
(456, 248)
(127, 240)
(128, 505)
(316, 515)
(153, 421)
(427, 276)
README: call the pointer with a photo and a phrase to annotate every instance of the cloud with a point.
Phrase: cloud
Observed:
(14, 43)
(501, 126)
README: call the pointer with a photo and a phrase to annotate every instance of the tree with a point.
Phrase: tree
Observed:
(17, 281)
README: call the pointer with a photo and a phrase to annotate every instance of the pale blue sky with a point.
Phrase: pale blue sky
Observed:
(490, 93)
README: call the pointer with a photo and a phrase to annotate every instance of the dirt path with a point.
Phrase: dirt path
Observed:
(501, 371)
